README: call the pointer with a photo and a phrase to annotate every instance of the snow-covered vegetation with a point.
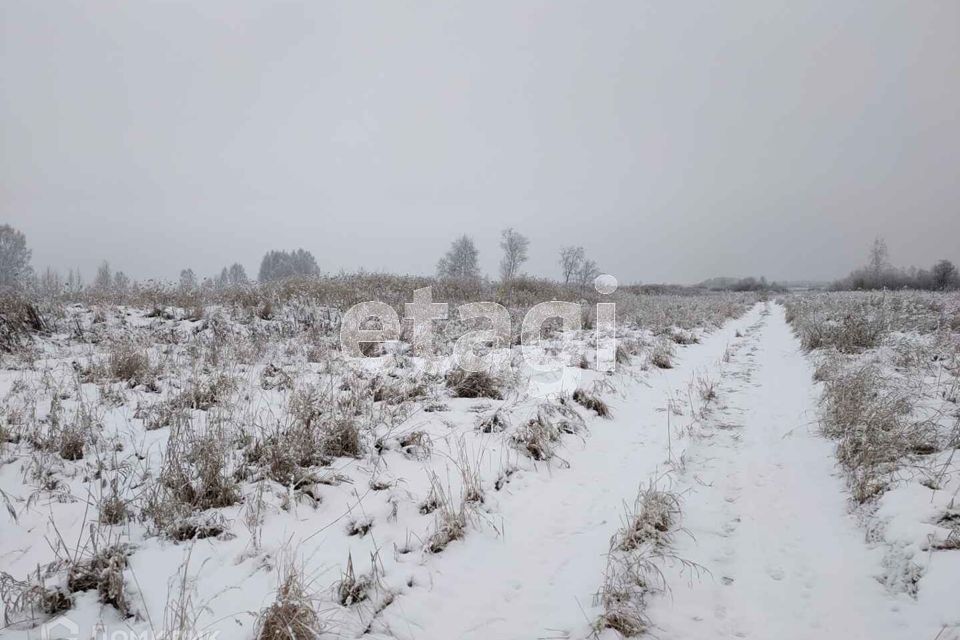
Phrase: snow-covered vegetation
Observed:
(889, 364)
(209, 462)
(183, 462)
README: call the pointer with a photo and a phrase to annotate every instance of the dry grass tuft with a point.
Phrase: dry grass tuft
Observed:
(196, 527)
(102, 571)
(292, 615)
(19, 319)
(536, 439)
(68, 437)
(851, 334)
(360, 526)
(113, 510)
(207, 393)
(684, 338)
(654, 516)
(340, 437)
(662, 355)
(31, 600)
(493, 423)
(160, 415)
(849, 325)
(131, 365)
(473, 384)
(591, 402)
(871, 422)
(451, 525)
(274, 378)
(632, 572)
(623, 598)
(416, 444)
(450, 522)
(197, 474)
(707, 389)
(70, 444)
(353, 589)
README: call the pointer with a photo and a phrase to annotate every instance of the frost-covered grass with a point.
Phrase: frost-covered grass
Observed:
(632, 573)
(216, 462)
(890, 368)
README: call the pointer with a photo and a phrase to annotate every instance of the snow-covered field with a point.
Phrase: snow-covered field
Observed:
(180, 473)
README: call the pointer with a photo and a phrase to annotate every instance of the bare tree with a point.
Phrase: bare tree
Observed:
(514, 247)
(188, 280)
(121, 283)
(104, 279)
(230, 276)
(51, 283)
(280, 265)
(14, 257)
(571, 260)
(275, 265)
(944, 275)
(74, 281)
(588, 271)
(460, 262)
(879, 259)
(238, 275)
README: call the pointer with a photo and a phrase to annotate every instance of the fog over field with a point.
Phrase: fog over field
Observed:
(679, 141)
(479, 320)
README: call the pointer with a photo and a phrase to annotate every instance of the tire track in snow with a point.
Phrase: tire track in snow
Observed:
(767, 513)
(538, 579)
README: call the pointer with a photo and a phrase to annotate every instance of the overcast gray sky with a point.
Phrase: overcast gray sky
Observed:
(675, 141)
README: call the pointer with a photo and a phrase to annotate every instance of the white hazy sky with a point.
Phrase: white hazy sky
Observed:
(674, 140)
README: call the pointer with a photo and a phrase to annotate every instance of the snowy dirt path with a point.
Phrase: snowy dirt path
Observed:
(768, 514)
(538, 579)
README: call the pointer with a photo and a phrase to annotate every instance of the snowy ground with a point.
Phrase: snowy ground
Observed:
(780, 553)
(538, 578)
(768, 543)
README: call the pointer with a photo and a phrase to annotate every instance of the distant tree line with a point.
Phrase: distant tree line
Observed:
(879, 273)
(280, 265)
(459, 263)
(742, 284)
(232, 276)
